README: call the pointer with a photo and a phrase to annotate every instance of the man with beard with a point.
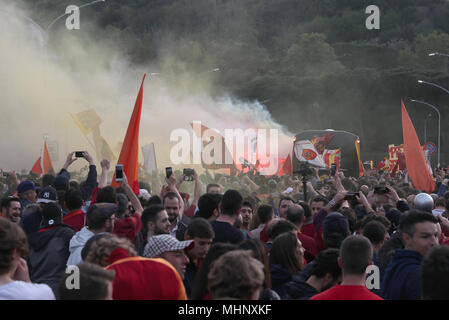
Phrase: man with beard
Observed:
(100, 219)
(11, 209)
(174, 205)
(154, 222)
(246, 213)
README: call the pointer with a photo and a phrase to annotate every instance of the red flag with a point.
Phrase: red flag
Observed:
(224, 154)
(130, 148)
(37, 168)
(48, 166)
(286, 167)
(414, 156)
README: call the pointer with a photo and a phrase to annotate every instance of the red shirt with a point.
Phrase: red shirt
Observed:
(76, 219)
(309, 246)
(263, 233)
(308, 229)
(319, 241)
(190, 212)
(340, 292)
(138, 278)
(128, 227)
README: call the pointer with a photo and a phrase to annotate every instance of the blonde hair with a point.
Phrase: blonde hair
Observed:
(101, 249)
(236, 274)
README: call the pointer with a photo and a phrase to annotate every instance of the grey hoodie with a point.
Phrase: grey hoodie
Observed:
(77, 244)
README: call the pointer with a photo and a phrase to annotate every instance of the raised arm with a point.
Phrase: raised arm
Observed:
(132, 196)
(172, 187)
(197, 191)
(105, 165)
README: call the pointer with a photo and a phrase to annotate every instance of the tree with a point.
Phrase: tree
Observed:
(311, 56)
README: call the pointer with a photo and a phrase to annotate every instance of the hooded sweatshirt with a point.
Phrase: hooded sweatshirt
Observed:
(49, 250)
(279, 278)
(402, 279)
(299, 290)
(77, 244)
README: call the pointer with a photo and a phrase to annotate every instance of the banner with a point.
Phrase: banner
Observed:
(149, 158)
(332, 140)
(86, 120)
(102, 148)
(305, 152)
(332, 156)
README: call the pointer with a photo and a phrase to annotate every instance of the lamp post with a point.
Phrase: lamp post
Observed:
(44, 32)
(425, 127)
(438, 54)
(435, 85)
(439, 119)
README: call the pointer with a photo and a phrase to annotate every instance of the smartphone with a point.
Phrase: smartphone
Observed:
(119, 172)
(333, 169)
(79, 154)
(168, 172)
(351, 196)
(380, 190)
(188, 174)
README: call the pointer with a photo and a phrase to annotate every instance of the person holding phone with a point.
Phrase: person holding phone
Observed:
(174, 205)
(128, 225)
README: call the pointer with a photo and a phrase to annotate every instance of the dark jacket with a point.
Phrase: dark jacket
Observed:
(268, 294)
(279, 278)
(141, 242)
(402, 279)
(88, 186)
(299, 290)
(387, 250)
(49, 251)
(31, 221)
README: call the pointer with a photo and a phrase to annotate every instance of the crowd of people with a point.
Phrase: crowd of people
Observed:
(217, 236)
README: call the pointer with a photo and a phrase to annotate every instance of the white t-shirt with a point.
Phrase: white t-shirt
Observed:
(19, 290)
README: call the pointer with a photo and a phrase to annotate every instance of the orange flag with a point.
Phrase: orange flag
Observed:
(130, 148)
(286, 167)
(37, 168)
(224, 152)
(48, 166)
(414, 156)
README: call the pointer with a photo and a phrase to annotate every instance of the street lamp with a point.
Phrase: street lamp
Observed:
(438, 54)
(439, 119)
(425, 127)
(434, 84)
(44, 32)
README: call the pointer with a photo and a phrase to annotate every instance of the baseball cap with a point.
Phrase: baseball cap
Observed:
(143, 193)
(162, 243)
(51, 214)
(335, 222)
(26, 185)
(47, 194)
